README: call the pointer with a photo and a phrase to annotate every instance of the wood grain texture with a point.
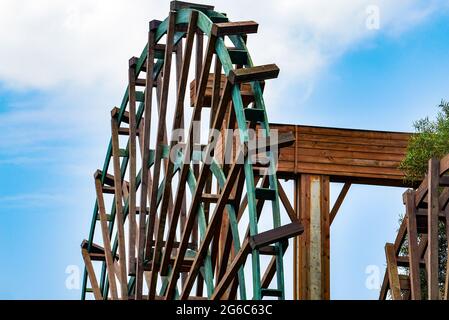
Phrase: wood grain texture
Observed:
(392, 271)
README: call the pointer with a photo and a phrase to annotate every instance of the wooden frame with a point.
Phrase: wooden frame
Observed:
(152, 250)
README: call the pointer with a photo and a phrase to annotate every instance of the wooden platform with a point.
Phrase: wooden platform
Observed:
(345, 155)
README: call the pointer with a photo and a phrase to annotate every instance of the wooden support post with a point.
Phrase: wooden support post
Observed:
(312, 250)
(432, 216)
(413, 250)
(339, 201)
(186, 167)
(157, 166)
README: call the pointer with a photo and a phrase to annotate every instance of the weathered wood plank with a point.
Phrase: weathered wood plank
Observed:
(392, 270)
(433, 212)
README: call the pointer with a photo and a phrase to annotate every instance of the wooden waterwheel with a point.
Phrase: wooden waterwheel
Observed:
(184, 208)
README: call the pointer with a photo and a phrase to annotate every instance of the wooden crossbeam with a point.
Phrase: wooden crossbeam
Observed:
(422, 190)
(108, 178)
(259, 73)
(433, 212)
(178, 117)
(227, 238)
(401, 260)
(404, 261)
(96, 252)
(231, 272)
(180, 192)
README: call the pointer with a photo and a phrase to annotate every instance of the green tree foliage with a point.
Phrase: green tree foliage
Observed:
(431, 139)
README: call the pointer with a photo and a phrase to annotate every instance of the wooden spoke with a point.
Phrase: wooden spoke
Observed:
(393, 276)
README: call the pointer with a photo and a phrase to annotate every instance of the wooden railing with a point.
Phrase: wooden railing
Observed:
(417, 245)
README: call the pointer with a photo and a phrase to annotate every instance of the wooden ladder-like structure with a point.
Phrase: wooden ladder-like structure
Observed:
(188, 219)
(413, 259)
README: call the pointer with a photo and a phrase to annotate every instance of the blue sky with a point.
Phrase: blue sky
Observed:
(58, 86)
